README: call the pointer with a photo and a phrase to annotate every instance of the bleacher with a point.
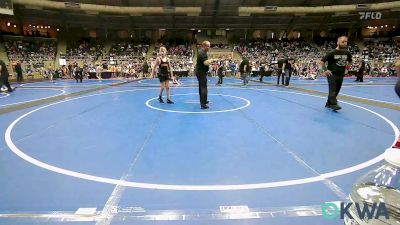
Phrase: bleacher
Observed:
(84, 49)
(37, 54)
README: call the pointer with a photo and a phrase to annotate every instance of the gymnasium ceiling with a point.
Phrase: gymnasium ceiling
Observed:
(218, 14)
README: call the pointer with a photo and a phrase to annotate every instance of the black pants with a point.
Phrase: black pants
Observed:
(202, 78)
(262, 74)
(19, 77)
(360, 76)
(279, 73)
(4, 80)
(78, 78)
(335, 84)
(220, 79)
(397, 87)
(288, 74)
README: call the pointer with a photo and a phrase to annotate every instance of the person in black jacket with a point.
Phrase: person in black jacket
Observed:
(397, 86)
(18, 70)
(4, 76)
(281, 70)
(220, 73)
(202, 67)
(289, 67)
(262, 71)
(360, 72)
(78, 74)
(245, 70)
(145, 69)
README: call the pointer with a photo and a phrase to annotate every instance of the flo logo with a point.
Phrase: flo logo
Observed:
(370, 15)
(331, 210)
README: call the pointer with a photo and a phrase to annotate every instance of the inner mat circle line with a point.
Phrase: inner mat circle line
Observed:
(177, 187)
(248, 103)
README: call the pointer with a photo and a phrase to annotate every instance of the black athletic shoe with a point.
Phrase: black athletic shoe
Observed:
(335, 107)
(160, 99)
(169, 101)
(205, 107)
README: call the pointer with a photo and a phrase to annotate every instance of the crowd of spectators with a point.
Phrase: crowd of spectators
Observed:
(130, 57)
(32, 52)
(219, 46)
(126, 51)
(85, 49)
(380, 58)
(267, 52)
(179, 52)
(226, 65)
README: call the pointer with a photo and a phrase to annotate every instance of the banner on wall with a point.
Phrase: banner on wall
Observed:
(62, 60)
